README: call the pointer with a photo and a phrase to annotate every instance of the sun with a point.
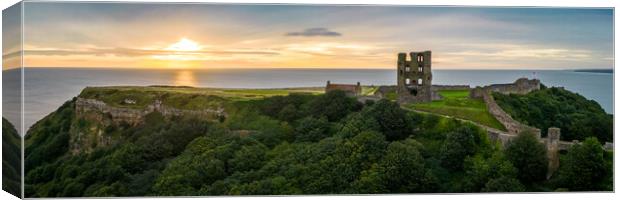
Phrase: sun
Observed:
(184, 45)
(182, 54)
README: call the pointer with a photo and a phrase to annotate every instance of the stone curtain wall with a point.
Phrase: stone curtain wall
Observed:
(520, 86)
(450, 87)
(512, 126)
(523, 86)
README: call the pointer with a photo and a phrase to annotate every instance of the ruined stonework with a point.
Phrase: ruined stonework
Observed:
(450, 87)
(552, 144)
(414, 77)
(383, 91)
(348, 89)
(520, 86)
(512, 126)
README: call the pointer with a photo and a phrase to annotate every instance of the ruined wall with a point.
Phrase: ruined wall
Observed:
(520, 86)
(383, 90)
(499, 136)
(552, 142)
(511, 125)
(450, 87)
(553, 154)
(476, 93)
(414, 77)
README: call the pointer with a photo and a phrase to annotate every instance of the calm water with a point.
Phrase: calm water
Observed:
(47, 89)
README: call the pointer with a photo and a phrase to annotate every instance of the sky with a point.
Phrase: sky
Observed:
(11, 37)
(204, 36)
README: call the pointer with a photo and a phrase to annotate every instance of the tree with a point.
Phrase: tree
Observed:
(457, 146)
(577, 116)
(286, 108)
(310, 129)
(584, 167)
(276, 185)
(529, 156)
(402, 169)
(249, 157)
(503, 184)
(393, 121)
(289, 113)
(366, 148)
(11, 159)
(201, 163)
(357, 123)
(492, 174)
(334, 105)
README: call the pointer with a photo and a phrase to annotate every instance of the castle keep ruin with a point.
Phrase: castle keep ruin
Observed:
(414, 77)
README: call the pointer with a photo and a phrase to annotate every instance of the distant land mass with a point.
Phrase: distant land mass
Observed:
(610, 71)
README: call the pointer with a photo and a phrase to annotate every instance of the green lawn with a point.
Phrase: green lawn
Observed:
(191, 97)
(391, 96)
(183, 97)
(369, 90)
(457, 103)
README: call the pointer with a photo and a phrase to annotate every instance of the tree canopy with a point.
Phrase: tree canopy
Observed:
(577, 116)
(295, 144)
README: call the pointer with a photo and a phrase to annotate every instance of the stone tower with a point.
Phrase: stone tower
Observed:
(552, 143)
(414, 77)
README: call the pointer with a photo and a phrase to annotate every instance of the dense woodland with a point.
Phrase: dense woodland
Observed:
(11, 159)
(576, 116)
(302, 144)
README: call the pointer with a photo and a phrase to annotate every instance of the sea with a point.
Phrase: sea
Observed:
(45, 89)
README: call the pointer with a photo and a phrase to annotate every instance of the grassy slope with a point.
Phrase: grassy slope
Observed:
(458, 104)
(455, 103)
(190, 97)
(183, 97)
(369, 90)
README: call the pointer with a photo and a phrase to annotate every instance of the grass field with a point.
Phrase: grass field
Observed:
(457, 103)
(369, 90)
(183, 97)
(190, 97)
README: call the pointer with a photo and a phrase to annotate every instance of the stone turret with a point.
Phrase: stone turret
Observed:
(552, 143)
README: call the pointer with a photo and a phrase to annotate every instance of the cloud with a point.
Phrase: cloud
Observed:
(520, 53)
(129, 52)
(312, 32)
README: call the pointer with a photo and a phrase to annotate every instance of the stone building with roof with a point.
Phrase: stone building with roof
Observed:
(349, 89)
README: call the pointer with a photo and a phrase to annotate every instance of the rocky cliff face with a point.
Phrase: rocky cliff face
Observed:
(135, 116)
(94, 119)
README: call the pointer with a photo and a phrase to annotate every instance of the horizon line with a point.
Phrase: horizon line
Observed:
(307, 68)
